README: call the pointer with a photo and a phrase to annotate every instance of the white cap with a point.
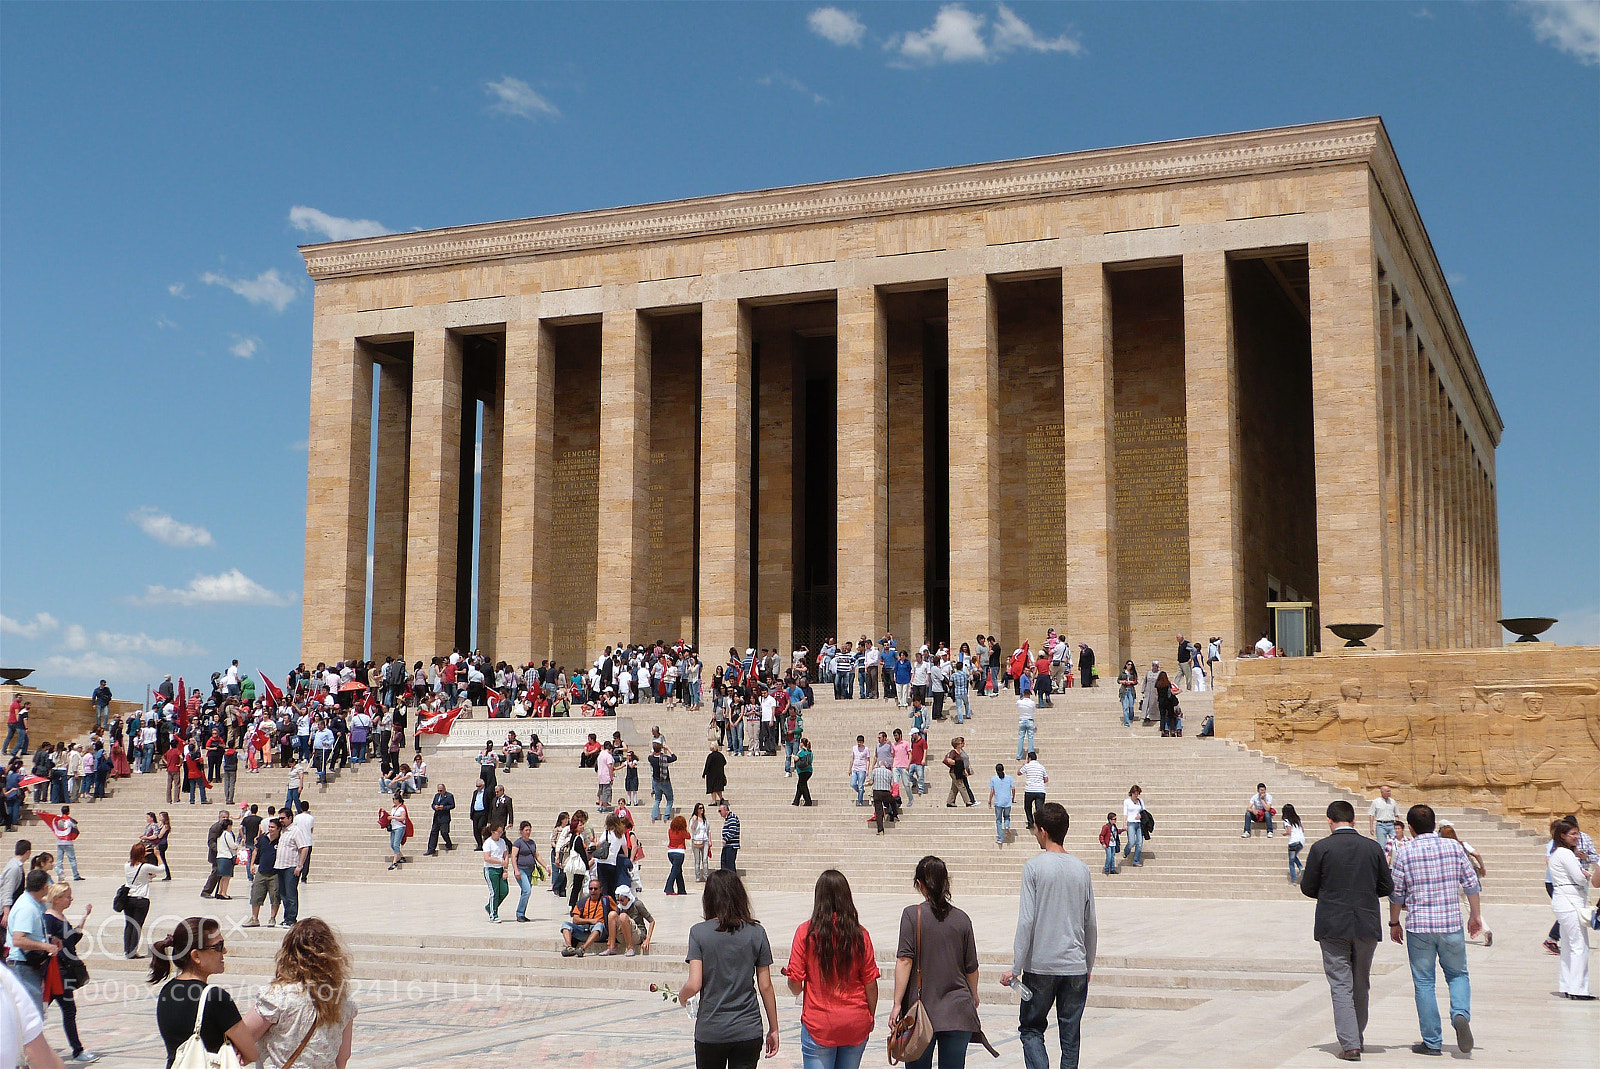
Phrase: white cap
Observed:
(624, 891)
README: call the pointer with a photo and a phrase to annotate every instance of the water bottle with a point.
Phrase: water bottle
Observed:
(1022, 989)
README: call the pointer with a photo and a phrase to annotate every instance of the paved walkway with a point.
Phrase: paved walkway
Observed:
(1517, 1019)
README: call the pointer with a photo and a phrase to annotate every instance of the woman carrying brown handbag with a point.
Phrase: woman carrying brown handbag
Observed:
(936, 973)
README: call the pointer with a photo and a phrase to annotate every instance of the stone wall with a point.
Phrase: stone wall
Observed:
(1514, 729)
(56, 718)
(575, 497)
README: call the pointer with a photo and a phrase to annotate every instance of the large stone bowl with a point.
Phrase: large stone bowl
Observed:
(13, 677)
(1355, 634)
(1528, 628)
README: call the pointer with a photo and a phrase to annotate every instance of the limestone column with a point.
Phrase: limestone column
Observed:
(334, 606)
(620, 611)
(522, 631)
(432, 529)
(1389, 378)
(1091, 489)
(1399, 358)
(391, 504)
(861, 573)
(725, 376)
(1496, 606)
(490, 500)
(1216, 515)
(1436, 571)
(1345, 405)
(775, 524)
(1416, 454)
(974, 470)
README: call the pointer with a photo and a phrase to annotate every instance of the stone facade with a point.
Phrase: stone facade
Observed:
(1514, 730)
(1122, 392)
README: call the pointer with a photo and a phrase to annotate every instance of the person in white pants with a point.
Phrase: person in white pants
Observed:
(1569, 890)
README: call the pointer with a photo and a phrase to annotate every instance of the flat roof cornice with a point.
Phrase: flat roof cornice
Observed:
(1221, 156)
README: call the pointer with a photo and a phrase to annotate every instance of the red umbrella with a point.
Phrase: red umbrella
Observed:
(352, 686)
(29, 781)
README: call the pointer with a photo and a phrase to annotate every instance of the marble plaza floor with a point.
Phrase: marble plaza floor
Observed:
(1242, 986)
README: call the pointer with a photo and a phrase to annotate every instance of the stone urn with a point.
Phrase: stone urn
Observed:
(1355, 634)
(13, 677)
(1528, 628)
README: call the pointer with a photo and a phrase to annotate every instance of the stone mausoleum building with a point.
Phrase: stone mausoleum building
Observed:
(1126, 393)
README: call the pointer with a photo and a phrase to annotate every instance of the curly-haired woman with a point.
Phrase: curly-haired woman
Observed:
(306, 1016)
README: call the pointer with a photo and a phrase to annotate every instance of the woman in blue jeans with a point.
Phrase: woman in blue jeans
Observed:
(1127, 688)
(937, 961)
(833, 968)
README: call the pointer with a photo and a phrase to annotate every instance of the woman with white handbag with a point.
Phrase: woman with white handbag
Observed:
(199, 1022)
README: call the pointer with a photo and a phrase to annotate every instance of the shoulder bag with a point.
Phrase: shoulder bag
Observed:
(910, 1035)
(193, 1054)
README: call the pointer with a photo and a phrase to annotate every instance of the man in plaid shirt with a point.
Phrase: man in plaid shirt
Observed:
(1430, 873)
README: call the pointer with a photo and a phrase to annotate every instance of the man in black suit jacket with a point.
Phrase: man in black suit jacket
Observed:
(1347, 873)
(443, 803)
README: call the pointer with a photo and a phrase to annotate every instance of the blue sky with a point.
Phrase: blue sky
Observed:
(155, 316)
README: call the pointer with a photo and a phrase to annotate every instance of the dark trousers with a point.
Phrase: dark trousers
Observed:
(1067, 994)
(742, 1055)
(951, 1047)
(1031, 801)
(802, 789)
(441, 828)
(69, 1020)
(289, 891)
(211, 880)
(135, 910)
(730, 858)
(305, 865)
(882, 802)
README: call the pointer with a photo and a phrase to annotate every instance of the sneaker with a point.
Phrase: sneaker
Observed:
(567, 952)
(1423, 1048)
(1244, 835)
(251, 924)
(631, 953)
(1463, 1028)
(84, 1057)
(522, 920)
(1269, 835)
(1552, 946)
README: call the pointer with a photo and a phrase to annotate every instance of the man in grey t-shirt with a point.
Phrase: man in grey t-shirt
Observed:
(1056, 934)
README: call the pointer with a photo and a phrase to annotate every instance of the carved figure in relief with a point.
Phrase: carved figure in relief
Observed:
(1375, 743)
(1294, 714)
(1458, 739)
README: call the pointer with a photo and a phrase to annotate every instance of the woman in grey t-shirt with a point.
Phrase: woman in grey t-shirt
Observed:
(730, 960)
(946, 963)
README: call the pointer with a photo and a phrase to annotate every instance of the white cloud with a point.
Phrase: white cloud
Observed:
(163, 528)
(75, 638)
(302, 446)
(266, 288)
(513, 96)
(788, 82)
(840, 27)
(232, 587)
(113, 642)
(165, 324)
(1011, 32)
(244, 348)
(176, 289)
(93, 665)
(1573, 26)
(41, 623)
(333, 227)
(958, 36)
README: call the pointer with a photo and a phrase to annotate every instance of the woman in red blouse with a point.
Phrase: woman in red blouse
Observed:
(833, 966)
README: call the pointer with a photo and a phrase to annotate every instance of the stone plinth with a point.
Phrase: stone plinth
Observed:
(59, 717)
(1514, 729)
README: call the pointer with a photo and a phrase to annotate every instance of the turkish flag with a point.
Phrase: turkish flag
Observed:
(273, 693)
(439, 723)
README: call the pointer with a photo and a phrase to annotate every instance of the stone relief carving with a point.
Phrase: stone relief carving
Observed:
(1530, 748)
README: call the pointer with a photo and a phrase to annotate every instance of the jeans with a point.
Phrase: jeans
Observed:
(730, 858)
(1294, 861)
(858, 783)
(291, 799)
(814, 1055)
(736, 737)
(1002, 822)
(675, 874)
(951, 1047)
(1031, 802)
(1127, 706)
(289, 891)
(66, 854)
(919, 779)
(660, 791)
(1250, 820)
(1067, 994)
(32, 978)
(790, 748)
(1111, 860)
(525, 883)
(1450, 950)
(1135, 841)
(230, 779)
(1385, 833)
(1024, 740)
(197, 785)
(961, 707)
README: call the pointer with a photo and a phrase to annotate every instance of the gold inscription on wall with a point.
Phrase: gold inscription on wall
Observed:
(1152, 507)
(1046, 511)
(576, 500)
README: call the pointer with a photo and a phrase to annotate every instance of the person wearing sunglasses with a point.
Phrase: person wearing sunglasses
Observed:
(196, 951)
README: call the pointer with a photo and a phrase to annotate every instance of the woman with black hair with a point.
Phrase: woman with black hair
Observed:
(1167, 703)
(937, 947)
(832, 966)
(730, 963)
(197, 951)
